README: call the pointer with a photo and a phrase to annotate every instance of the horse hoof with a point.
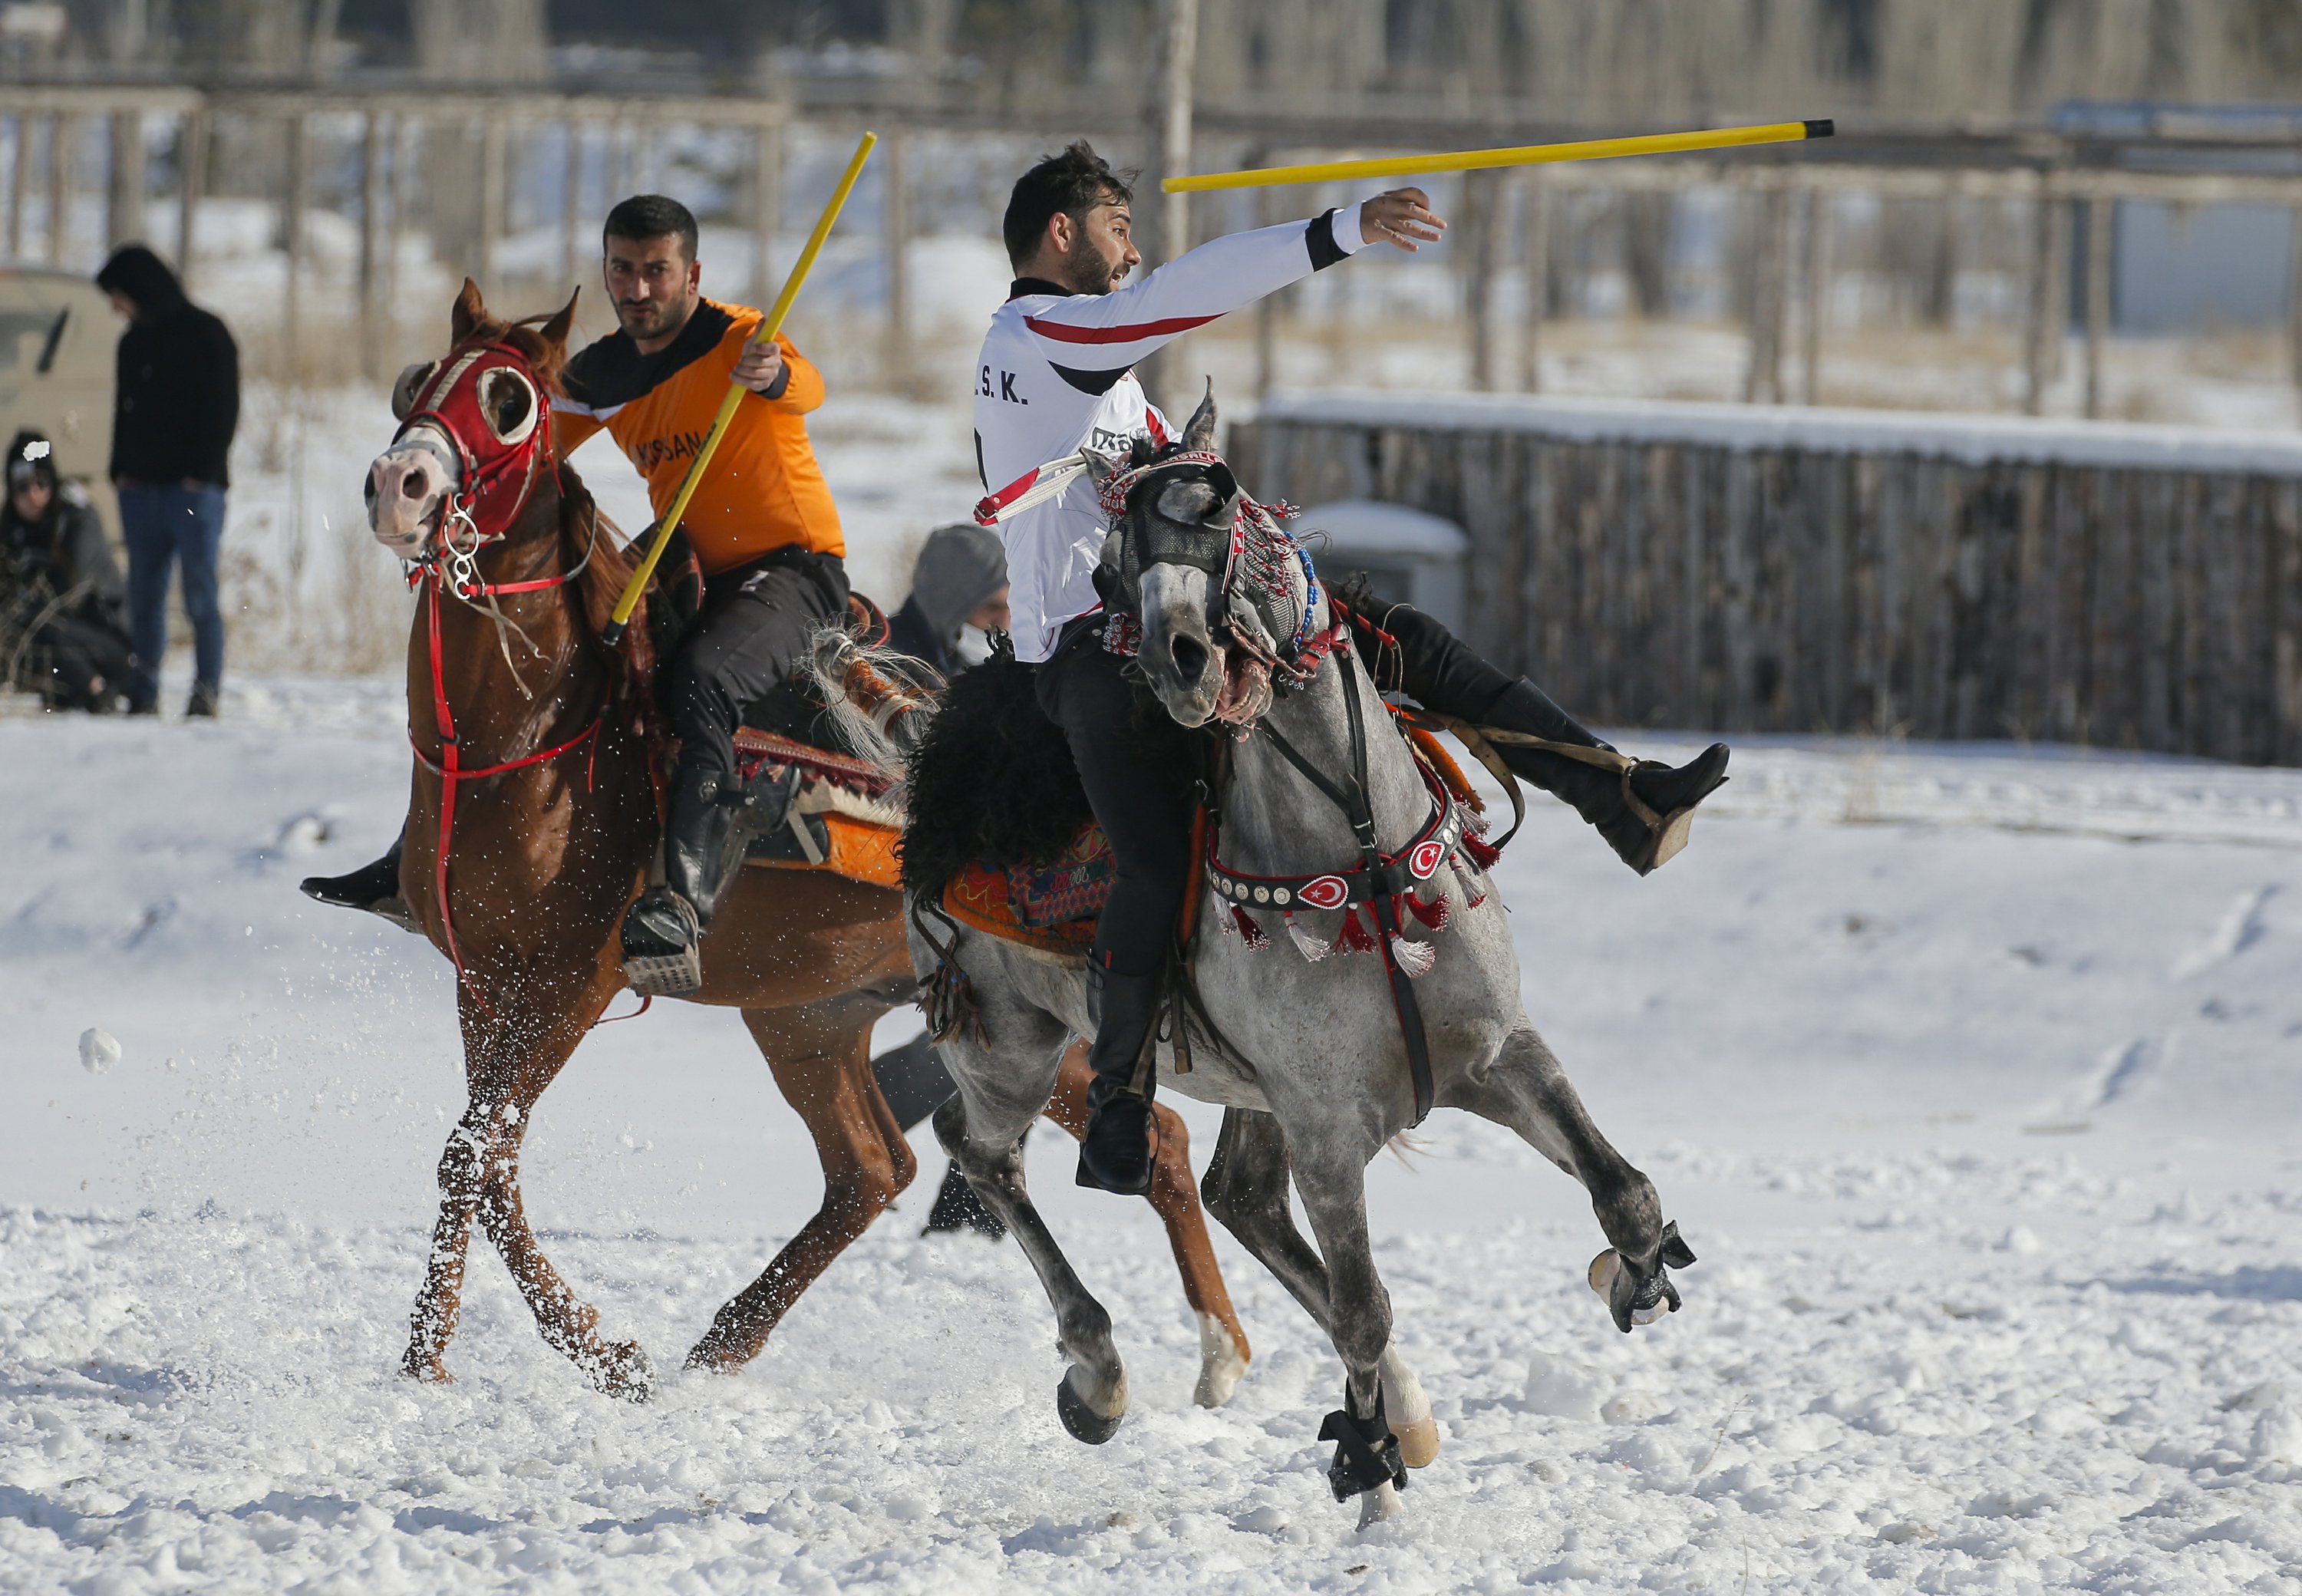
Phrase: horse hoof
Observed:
(711, 1356)
(1083, 1422)
(1642, 1303)
(1418, 1443)
(1407, 1411)
(426, 1368)
(1223, 1363)
(625, 1372)
(1380, 1503)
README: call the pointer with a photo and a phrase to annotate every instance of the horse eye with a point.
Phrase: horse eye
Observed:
(410, 383)
(508, 401)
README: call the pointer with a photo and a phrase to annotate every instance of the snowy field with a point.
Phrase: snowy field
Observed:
(1972, 1074)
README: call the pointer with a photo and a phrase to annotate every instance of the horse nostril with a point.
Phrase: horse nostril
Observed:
(413, 485)
(1190, 656)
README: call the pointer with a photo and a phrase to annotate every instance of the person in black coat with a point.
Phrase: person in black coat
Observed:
(60, 591)
(175, 410)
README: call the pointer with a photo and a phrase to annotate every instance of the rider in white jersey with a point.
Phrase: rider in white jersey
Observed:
(1056, 375)
(1057, 372)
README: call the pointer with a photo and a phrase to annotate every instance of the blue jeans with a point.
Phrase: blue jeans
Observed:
(163, 527)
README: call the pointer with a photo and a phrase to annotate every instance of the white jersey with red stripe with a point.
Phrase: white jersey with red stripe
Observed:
(1056, 375)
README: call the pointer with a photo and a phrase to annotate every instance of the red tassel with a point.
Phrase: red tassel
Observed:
(1483, 853)
(1438, 916)
(1257, 939)
(1353, 938)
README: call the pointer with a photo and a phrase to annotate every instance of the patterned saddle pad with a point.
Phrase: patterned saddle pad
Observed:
(1051, 907)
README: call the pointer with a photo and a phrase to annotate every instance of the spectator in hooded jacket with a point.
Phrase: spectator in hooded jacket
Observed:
(60, 590)
(959, 592)
(175, 410)
(959, 587)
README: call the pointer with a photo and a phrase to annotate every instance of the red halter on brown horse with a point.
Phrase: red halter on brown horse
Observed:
(531, 823)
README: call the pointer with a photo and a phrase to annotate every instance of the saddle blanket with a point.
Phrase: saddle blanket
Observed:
(858, 849)
(1051, 907)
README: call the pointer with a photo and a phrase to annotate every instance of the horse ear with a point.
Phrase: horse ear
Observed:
(1100, 468)
(1199, 431)
(467, 314)
(555, 331)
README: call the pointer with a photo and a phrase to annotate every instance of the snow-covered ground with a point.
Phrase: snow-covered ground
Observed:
(1970, 1073)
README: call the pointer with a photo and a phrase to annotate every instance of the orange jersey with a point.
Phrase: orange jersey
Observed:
(763, 488)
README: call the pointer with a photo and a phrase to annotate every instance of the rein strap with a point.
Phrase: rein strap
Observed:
(1351, 798)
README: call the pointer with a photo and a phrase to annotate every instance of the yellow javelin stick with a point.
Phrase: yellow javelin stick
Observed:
(1524, 154)
(613, 632)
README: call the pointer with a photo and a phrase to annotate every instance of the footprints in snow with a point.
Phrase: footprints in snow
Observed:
(2124, 1068)
(2240, 929)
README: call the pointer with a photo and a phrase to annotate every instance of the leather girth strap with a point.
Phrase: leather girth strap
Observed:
(1351, 798)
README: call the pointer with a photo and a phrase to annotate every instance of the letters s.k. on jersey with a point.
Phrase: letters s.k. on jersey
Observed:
(764, 489)
(1057, 372)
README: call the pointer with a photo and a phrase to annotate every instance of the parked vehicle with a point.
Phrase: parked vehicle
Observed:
(57, 336)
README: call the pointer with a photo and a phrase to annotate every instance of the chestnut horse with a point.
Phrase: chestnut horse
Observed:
(531, 823)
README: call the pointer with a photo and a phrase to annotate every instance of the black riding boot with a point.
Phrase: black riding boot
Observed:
(1641, 807)
(1444, 674)
(1116, 1153)
(373, 887)
(663, 931)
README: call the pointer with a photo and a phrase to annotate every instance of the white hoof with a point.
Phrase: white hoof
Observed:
(1604, 1269)
(1408, 1410)
(1381, 1502)
(1221, 1364)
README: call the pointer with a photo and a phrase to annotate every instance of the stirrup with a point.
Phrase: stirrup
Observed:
(657, 970)
(1669, 832)
(1086, 1177)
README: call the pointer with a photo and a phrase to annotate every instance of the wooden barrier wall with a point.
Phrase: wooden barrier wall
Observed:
(1710, 568)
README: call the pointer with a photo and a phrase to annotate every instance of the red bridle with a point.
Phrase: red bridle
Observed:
(498, 471)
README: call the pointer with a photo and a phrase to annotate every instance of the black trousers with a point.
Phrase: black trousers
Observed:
(73, 653)
(1137, 765)
(753, 632)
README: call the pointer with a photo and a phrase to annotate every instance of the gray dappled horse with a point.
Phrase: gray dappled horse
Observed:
(1310, 1057)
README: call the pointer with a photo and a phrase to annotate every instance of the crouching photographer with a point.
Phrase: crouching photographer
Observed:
(61, 633)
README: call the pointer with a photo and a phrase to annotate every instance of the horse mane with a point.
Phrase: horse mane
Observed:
(583, 524)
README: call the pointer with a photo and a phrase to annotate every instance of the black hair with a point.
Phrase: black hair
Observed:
(1071, 184)
(651, 217)
(141, 278)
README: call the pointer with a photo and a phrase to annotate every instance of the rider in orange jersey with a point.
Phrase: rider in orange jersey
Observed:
(763, 527)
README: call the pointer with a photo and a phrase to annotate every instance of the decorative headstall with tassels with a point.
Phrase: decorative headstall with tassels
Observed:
(1256, 603)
